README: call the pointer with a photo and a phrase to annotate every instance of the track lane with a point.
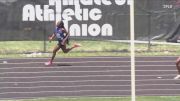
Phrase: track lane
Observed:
(88, 76)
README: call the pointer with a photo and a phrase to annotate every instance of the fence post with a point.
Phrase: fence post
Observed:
(149, 31)
(44, 33)
(149, 26)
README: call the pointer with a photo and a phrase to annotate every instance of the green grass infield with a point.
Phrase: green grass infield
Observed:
(89, 48)
(143, 98)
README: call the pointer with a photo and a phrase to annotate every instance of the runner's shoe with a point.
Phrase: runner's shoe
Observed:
(76, 45)
(49, 63)
(177, 77)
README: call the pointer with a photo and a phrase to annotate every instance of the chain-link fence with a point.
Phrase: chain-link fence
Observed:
(30, 20)
(158, 18)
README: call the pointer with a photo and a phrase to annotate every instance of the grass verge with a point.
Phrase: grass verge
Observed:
(144, 98)
(10, 49)
(89, 48)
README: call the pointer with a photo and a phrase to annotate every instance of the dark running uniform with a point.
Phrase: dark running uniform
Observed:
(59, 35)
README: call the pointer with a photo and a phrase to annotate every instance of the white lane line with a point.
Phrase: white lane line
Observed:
(79, 91)
(121, 66)
(68, 97)
(64, 62)
(156, 56)
(75, 86)
(164, 89)
(94, 71)
(65, 76)
(117, 90)
(67, 86)
(74, 76)
(75, 81)
(85, 85)
(88, 71)
(79, 81)
(113, 85)
(118, 69)
(90, 62)
(157, 65)
(162, 95)
(142, 85)
(97, 61)
(84, 81)
(138, 85)
(74, 91)
(101, 57)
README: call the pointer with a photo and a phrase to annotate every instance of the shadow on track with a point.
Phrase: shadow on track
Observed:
(63, 64)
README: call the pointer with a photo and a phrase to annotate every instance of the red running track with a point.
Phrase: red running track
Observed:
(87, 76)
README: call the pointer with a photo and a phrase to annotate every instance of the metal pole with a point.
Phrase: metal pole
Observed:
(132, 32)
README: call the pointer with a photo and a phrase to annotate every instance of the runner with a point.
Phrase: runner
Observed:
(62, 36)
(178, 68)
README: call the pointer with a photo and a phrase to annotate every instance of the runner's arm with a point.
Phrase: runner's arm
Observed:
(51, 37)
(66, 37)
